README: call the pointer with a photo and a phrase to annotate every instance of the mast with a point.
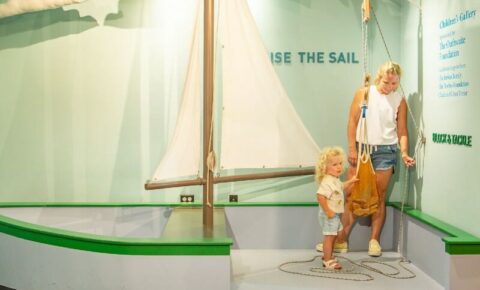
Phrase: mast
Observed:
(207, 112)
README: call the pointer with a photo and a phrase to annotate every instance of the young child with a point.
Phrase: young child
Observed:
(331, 200)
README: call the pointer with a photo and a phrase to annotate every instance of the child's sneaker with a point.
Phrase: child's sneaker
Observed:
(374, 248)
(341, 247)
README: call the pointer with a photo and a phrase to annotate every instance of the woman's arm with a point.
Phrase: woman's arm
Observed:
(402, 132)
(353, 118)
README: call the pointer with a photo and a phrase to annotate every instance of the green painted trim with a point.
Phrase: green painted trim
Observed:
(462, 245)
(234, 204)
(94, 204)
(458, 241)
(104, 204)
(113, 245)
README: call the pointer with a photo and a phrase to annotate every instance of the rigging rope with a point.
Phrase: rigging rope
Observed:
(365, 18)
(364, 150)
(421, 140)
(364, 154)
(417, 129)
(345, 273)
(364, 194)
(366, 8)
(335, 274)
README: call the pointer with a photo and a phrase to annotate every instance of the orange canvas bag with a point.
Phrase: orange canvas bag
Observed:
(364, 196)
(364, 192)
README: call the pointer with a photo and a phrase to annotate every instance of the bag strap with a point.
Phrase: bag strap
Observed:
(364, 148)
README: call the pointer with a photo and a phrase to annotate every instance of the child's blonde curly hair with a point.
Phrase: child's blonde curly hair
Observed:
(325, 154)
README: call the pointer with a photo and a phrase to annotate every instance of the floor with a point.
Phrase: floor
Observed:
(259, 270)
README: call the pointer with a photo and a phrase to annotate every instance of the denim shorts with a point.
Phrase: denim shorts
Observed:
(383, 157)
(330, 227)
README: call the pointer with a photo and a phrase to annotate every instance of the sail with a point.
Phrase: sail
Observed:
(182, 157)
(260, 127)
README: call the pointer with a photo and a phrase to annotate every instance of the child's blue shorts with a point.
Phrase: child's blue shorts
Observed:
(330, 227)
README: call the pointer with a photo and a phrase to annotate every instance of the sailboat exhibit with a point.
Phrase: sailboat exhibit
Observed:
(160, 144)
(259, 125)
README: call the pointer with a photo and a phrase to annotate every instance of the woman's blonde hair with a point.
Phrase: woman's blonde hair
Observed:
(389, 67)
(325, 155)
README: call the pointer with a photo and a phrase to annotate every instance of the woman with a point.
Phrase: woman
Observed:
(386, 121)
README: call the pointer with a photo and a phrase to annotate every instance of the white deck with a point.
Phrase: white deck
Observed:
(131, 222)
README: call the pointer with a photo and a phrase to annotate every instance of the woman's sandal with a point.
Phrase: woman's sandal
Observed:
(332, 264)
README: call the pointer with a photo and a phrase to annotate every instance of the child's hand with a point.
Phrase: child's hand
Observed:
(353, 179)
(330, 214)
(347, 184)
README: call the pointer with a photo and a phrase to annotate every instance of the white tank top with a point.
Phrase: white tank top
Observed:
(381, 118)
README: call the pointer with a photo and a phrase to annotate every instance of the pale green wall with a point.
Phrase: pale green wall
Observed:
(86, 112)
(445, 184)
(321, 93)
